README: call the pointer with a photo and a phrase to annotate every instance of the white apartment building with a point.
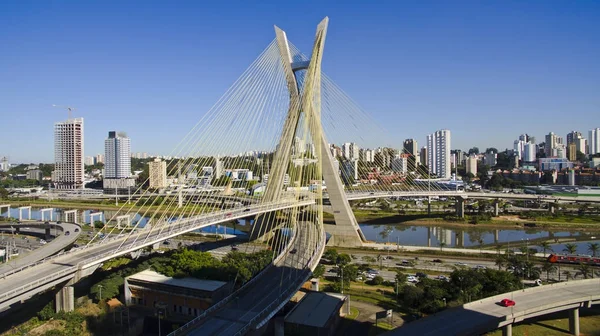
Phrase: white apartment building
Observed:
(400, 164)
(117, 156)
(529, 154)
(158, 174)
(471, 165)
(438, 153)
(68, 154)
(552, 142)
(594, 141)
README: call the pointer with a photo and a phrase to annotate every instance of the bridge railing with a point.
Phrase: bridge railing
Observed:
(265, 315)
(193, 222)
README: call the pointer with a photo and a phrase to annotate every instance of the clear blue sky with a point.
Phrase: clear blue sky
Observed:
(486, 70)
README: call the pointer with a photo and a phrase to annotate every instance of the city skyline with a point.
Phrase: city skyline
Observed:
(472, 76)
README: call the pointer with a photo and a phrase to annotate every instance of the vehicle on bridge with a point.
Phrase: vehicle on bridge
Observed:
(507, 303)
(574, 259)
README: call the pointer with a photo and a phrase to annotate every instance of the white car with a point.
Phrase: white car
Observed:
(412, 279)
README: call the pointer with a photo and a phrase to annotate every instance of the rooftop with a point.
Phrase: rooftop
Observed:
(192, 283)
(315, 308)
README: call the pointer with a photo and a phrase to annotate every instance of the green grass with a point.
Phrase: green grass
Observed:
(556, 324)
(380, 328)
(353, 314)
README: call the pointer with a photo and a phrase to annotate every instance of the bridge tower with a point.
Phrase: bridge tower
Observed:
(307, 101)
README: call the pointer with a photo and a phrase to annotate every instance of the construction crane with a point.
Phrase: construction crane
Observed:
(68, 108)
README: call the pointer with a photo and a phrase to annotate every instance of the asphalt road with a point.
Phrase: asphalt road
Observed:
(54, 246)
(254, 299)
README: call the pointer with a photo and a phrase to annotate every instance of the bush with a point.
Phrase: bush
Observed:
(376, 281)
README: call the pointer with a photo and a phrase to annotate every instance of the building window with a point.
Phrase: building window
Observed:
(180, 310)
(174, 308)
(189, 311)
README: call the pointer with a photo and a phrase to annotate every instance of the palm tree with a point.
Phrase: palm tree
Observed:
(442, 244)
(548, 267)
(500, 262)
(570, 248)
(585, 270)
(524, 250)
(593, 248)
(545, 247)
(567, 274)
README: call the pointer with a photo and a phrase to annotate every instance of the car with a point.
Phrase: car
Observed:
(461, 264)
(443, 278)
(246, 210)
(166, 242)
(76, 229)
(229, 215)
(293, 251)
(370, 276)
(234, 247)
(67, 233)
(437, 260)
(421, 275)
(58, 222)
(372, 271)
(480, 267)
(412, 279)
(507, 303)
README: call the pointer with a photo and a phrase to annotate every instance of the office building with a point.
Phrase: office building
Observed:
(472, 165)
(573, 136)
(594, 141)
(68, 154)
(519, 148)
(350, 171)
(117, 156)
(158, 174)
(438, 153)
(572, 151)
(581, 145)
(89, 161)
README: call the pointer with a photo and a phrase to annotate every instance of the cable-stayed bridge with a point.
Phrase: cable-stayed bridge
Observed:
(284, 107)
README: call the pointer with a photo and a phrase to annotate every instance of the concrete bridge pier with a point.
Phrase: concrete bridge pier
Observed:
(574, 321)
(460, 207)
(70, 216)
(21, 212)
(507, 330)
(496, 236)
(65, 299)
(429, 206)
(551, 208)
(496, 208)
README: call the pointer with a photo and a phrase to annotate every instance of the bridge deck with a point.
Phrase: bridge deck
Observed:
(485, 315)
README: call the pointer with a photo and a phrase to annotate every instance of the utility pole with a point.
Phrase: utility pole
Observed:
(100, 296)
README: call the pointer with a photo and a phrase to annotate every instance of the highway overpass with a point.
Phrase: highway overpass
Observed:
(481, 316)
(80, 262)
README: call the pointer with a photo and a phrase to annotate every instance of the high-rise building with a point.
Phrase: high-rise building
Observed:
(89, 161)
(400, 163)
(519, 147)
(530, 151)
(438, 153)
(472, 165)
(581, 145)
(158, 174)
(572, 136)
(411, 147)
(552, 143)
(423, 155)
(594, 141)
(68, 154)
(4, 164)
(346, 150)
(572, 151)
(490, 159)
(117, 156)
(99, 158)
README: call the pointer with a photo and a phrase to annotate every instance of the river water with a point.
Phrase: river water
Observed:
(396, 233)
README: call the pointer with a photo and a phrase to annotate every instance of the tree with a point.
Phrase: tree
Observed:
(319, 271)
(570, 248)
(580, 156)
(442, 245)
(491, 150)
(548, 267)
(343, 259)
(474, 150)
(401, 278)
(593, 248)
(376, 281)
(585, 270)
(567, 274)
(98, 224)
(545, 246)
(3, 193)
(500, 262)
(331, 255)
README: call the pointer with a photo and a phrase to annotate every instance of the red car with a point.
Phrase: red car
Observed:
(507, 303)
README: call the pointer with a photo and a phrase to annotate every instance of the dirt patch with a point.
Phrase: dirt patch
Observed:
(44, 328)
